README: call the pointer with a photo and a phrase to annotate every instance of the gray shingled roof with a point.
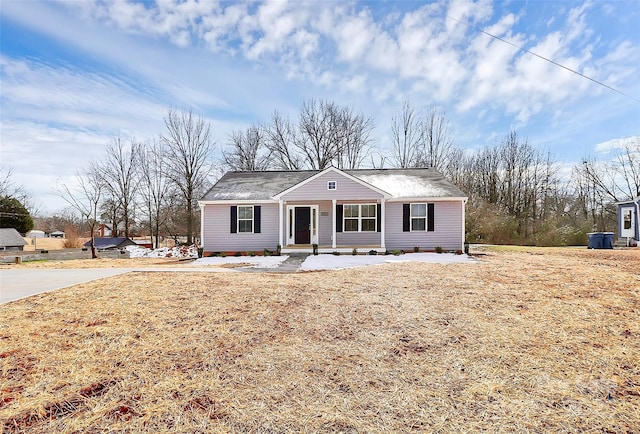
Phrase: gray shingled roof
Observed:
(400, 183)
(9, 237)
(110, 243)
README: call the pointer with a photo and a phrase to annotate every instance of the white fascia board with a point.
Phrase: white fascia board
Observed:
(428, 199)
(235, 202)
(629, 202)
(338, 171)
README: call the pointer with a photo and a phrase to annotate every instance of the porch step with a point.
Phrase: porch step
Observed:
(622, 242)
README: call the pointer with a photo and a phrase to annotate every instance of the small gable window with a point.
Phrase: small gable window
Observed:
(332, 185)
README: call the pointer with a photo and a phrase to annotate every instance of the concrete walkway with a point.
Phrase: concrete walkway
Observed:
(290, 265)
(25, 282)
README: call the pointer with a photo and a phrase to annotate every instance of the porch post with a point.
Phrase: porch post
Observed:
(280, 223)
(333, 224)
(383, 223)
(464, 224)
(201, 228)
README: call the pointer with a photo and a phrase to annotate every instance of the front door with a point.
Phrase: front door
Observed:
(302, 225)
(628, 229)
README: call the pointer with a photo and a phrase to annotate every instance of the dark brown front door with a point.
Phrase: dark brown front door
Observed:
(303, 221)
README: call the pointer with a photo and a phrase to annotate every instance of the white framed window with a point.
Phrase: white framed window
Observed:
(245, 219)
(332, 185)
(418, 217)
(359, 217)
(351, 215)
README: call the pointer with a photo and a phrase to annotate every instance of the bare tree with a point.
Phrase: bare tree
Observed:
(619, 178)
(356, 141)
(8, 187)
(406, 136)
(600, 184)
(189, 146)
(248, 150)
(280, 139)
(85, 198)
(155, 187)
(422, 140)
(320, 138)
(437, 147)
(120, 171)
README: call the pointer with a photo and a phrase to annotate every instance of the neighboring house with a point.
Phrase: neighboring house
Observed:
(10, 239)
(629, 221)
(35, 233)
(110, 243)
(105, 230)
(338, 210)
(58, 234)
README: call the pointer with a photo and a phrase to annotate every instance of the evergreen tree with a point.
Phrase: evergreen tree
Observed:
(14, 215)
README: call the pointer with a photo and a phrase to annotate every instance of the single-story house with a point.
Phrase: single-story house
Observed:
(110, 243)
(336, 210)
(629, 221)
(105, 230)
(58, 234)
(35, 233)
(10, 239)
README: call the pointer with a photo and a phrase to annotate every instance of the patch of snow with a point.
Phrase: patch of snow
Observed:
(403, 185)
(255, 261)
(181, 252)
(333, 262)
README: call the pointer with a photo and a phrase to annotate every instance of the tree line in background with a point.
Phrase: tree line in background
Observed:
(517, 193)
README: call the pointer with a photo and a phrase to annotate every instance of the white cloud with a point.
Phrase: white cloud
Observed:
(238, 61)
(617, 144)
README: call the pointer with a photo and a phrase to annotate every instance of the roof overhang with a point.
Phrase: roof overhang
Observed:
(238, 201)
(428, 199)
(635, 200)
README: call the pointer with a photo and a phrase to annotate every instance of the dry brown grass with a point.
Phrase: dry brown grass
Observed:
(538, 341)
(43, 243)
(101, 263)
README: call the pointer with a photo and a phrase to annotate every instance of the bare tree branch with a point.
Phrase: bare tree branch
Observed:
(189, 147)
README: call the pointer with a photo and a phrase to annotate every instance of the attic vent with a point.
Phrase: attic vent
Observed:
(332, 185)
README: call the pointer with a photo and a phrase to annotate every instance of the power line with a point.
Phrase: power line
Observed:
(551, 61)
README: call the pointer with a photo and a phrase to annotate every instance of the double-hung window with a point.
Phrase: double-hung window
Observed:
(245, 219)
(418, 217)
(351, 218)
(359, 218)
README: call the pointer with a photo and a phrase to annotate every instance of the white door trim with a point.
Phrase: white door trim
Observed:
(290, 227)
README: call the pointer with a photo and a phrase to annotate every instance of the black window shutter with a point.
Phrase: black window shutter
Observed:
(430, 214)
(379, 215)
(338, 218)
(406, 217)
(234, 219)
(256, 219)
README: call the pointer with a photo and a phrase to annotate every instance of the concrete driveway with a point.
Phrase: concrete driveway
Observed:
(22, 283)
(17, 284)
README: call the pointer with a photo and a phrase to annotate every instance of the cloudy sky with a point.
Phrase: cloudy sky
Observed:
(74, 74)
